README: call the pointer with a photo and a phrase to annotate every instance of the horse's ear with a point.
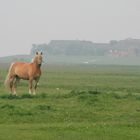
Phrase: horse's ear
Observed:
(36, 53)
(41, 53)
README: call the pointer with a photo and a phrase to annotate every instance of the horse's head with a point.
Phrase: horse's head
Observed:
(38, 58)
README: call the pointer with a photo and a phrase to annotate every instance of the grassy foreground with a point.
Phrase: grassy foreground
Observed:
(74, 102)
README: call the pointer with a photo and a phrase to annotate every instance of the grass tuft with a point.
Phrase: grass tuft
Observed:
(43, 107)
(7, 106)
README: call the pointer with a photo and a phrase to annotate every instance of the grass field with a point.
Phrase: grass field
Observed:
(74, 102)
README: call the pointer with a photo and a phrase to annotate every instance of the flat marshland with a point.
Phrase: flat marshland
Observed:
(74, 102)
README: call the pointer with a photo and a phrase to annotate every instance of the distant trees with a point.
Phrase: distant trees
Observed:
(88, 48)
(70, 47)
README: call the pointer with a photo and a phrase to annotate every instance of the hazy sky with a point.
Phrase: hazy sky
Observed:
(24, 22)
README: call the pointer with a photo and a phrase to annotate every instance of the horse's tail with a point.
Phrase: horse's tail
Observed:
(8, 77)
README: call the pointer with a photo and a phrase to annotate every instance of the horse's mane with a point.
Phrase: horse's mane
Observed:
(34, 59)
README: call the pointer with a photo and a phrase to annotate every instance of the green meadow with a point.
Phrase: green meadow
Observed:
(79, 102)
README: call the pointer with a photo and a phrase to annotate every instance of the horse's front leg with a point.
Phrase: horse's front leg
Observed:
(30, 85)
(35, 86)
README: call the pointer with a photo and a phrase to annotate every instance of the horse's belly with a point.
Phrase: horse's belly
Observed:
(23, 76)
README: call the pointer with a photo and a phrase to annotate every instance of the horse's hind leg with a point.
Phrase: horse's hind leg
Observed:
(11, 84)
(16, 80)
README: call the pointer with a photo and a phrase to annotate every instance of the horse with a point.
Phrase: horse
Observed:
(26, 71)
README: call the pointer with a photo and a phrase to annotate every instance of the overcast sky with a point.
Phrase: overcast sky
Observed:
(24, 22)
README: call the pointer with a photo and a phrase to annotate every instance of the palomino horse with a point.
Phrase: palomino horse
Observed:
(26, 71)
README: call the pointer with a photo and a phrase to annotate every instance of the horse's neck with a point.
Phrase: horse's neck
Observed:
(34, 61)
(36, 65)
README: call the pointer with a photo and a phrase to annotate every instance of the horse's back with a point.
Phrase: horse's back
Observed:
(20, 65)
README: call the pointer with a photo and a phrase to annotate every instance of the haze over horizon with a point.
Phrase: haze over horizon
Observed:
(25, 22)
